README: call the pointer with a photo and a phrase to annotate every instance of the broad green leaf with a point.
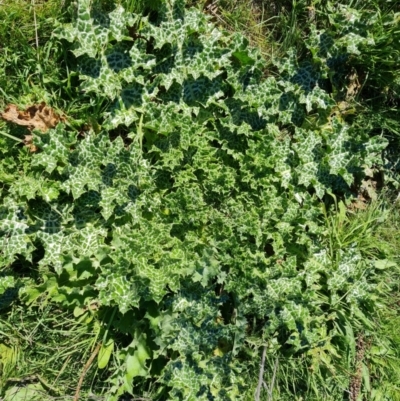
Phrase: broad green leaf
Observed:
(105, 353)
(384, 264)
(136, 360)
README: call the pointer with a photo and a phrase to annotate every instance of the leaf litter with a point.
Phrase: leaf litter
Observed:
(38, 116)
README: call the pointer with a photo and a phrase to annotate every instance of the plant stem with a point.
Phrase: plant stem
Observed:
(261, 374)
(11, 137)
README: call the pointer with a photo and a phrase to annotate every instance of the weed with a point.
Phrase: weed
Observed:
(196, 211)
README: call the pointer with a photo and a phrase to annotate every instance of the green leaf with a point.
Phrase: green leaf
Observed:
(32, 391)
(243, 57)
(136, 359)
(382, 264)
(366, 378)
(105, 353)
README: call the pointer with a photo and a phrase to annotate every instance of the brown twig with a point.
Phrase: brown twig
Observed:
(84, 371)
(355, 383)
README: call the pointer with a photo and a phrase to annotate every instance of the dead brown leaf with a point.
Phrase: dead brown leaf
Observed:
(358, 204)
(37, 116)
(28, 141)
(354, 85)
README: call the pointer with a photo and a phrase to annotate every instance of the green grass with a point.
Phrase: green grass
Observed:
(28, 61)
(48, 347)
(271, 26)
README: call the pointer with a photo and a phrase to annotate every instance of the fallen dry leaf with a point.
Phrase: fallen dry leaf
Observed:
(28, 141)
(38, 116)
(354, 85)
(358, 204)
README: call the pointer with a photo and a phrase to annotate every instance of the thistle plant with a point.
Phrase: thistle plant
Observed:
(202, 228)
